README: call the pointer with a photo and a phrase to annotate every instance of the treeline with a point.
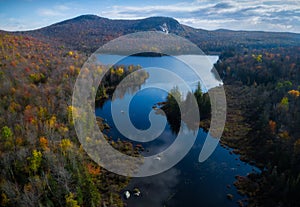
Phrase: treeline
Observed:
(175, 100)
(271, 107)
(260, 66)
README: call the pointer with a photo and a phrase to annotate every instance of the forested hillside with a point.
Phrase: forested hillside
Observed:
(88, 32)
(42, 163)
(262, 88)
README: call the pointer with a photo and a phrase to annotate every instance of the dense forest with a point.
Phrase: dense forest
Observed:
(43, 164)
(262, 88)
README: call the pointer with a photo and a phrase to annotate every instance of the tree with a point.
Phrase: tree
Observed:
(65, 145)
(284, 103)
(172, 110)
(198, 93)
(6, 133)
(70, 201)
(6, 138)
(272, 125)
(203, 102)
(35, 161)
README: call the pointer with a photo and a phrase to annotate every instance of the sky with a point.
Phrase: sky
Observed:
(263, 15)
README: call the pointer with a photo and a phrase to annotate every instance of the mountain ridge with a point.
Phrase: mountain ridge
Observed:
(89, 32)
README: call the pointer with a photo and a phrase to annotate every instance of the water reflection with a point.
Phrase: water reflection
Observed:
(176, 64)
(132, 84)
(156, 190)
(189, 183)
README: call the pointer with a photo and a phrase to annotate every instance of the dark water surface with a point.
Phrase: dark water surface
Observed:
(189, 183)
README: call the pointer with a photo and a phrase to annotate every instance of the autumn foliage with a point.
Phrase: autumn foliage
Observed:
(42, 163)
(268, 83)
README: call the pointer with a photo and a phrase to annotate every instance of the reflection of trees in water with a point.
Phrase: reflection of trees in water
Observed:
(172, 110)
(131, 89)
(126, 79)
(172, 107)
(122, 80)
(131, 84)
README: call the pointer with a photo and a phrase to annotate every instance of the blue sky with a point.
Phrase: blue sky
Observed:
(266, 15)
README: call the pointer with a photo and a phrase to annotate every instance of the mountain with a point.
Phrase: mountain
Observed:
(88, 32)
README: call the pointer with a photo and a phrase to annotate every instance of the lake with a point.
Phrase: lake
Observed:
(189, 182)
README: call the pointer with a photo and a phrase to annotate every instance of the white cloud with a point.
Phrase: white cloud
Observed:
(16, 24)
(62, 7)
(179, 8)
(49, 12)
(205, 23)
(271, 15)
(56, 11)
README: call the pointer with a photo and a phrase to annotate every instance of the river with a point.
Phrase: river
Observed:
(189, 182)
